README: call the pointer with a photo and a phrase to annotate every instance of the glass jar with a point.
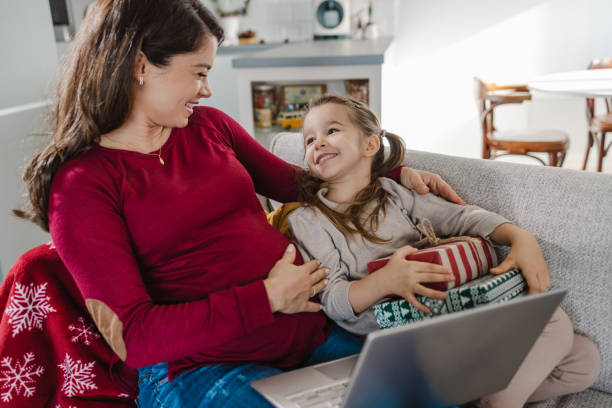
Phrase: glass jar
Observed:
(264, 104)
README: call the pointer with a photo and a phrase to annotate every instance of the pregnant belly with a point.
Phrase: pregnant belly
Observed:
(287, 342)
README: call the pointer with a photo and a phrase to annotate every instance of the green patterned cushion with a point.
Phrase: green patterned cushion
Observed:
(485, 290)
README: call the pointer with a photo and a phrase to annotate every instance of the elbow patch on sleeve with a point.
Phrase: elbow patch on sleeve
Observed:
(109, 325)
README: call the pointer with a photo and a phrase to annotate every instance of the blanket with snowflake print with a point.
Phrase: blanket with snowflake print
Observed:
(51, 354)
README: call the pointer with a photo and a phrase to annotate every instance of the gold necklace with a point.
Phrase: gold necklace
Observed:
(160, 149)
(158, 154)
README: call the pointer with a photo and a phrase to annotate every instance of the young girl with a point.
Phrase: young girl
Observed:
(358, 216)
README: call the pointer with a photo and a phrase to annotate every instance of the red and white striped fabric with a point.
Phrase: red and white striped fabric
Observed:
(467, 260)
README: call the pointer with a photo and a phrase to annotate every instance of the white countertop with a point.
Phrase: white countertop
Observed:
(317, 53)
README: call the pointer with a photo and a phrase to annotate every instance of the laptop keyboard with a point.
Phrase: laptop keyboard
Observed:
(326, 397)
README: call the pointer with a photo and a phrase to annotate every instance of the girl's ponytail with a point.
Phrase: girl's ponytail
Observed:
(394, 154)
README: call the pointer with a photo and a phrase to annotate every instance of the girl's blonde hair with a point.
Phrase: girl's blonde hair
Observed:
(352, 220)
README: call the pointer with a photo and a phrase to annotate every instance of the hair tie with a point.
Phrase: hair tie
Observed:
(383, 133)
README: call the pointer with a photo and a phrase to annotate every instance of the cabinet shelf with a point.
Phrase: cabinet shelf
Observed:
(332, 76)
(301, 92)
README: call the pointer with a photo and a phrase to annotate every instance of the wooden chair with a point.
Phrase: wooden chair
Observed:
(598, 125)
(497, 143)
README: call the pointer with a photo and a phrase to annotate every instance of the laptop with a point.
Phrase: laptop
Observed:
(450, 359)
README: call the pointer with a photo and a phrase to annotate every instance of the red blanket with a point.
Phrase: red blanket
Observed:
(51, 354)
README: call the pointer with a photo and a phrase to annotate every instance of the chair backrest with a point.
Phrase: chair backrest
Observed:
(602, 63)
(480, 93)
(488, 96)
(485, 115)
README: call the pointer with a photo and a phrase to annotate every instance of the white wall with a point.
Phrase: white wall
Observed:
(277, 20)
(28, 65)
(19, 141)
(441, 44)
(27, 51)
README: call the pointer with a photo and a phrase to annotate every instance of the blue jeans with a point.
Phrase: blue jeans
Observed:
(227, 385)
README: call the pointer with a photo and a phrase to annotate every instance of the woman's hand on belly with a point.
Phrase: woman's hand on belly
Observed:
(291, 287)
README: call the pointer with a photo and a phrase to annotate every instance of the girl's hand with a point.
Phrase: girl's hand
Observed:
(290, 287)
(403, 278)
(424, 182)
(526, 255)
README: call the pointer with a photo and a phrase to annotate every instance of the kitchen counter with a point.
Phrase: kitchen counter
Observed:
(317, 53)
(245, 48)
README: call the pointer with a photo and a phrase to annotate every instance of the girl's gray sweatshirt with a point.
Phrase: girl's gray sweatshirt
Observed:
(347, 258)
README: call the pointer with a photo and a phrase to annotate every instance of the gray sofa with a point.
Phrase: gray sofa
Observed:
(570, 213)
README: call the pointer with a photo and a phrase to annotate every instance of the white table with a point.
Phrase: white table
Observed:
(593, 83)
(585, 83)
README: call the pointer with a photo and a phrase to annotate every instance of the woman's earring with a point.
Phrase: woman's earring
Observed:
(140, 80)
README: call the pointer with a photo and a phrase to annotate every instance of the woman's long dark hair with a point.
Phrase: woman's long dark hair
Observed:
(93, 95)
(352, 220)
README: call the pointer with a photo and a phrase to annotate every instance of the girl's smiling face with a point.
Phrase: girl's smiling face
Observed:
(335, 147)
